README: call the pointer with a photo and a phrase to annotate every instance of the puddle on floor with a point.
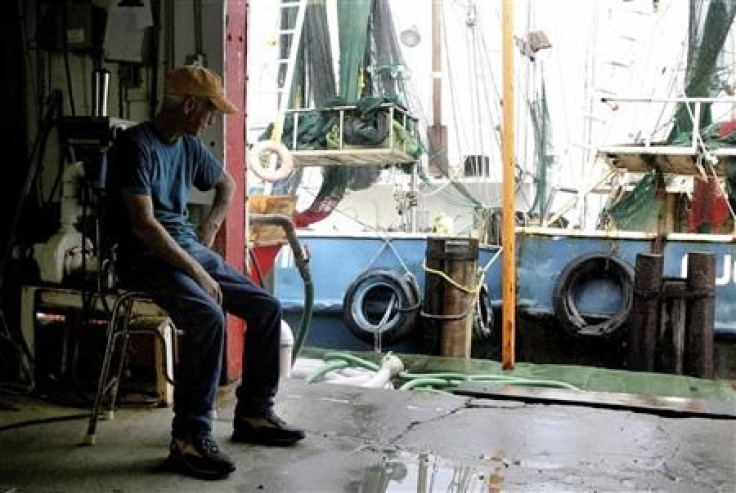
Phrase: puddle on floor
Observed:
(425, 473)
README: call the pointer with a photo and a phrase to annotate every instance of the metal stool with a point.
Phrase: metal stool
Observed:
(119, 326)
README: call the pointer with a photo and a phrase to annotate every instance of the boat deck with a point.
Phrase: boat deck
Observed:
(703, 151)
(668, 159)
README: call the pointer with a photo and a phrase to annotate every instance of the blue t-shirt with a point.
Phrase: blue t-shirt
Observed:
(144, 164)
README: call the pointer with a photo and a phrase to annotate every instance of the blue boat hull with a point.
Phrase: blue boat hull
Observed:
(542, 254)
(336, 261)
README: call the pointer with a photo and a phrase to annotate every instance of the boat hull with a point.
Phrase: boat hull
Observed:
(542, 254)
(336, 261)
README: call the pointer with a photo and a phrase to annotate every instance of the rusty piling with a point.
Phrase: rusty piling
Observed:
(644, 319)
(671, 341)
(701, 278)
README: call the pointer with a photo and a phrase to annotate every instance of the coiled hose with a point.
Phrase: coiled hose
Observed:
(430, 382)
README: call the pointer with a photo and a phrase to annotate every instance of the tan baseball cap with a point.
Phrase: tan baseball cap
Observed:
(193, 80)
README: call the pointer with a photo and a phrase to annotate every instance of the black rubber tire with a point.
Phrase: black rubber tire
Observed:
(583, 268)
(368, 297)
(482, 316)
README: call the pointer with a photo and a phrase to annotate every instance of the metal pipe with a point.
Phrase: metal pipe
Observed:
(100, 88)
(436, 63)
(302, 261)
(669, 100)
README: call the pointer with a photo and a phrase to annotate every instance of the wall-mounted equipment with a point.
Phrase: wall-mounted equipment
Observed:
(73, 25)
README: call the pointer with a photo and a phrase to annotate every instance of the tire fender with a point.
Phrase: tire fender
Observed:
(368, 297)
(590, 266)
(482, 316)
(271, 161)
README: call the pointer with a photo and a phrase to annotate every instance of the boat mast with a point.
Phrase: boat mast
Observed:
(508, 239)
(437, 133)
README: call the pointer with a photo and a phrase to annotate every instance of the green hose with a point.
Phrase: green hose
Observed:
(302, 264)
(420, 381)
(306, 320)
(417, 382)
(352, 359)
(331, 365)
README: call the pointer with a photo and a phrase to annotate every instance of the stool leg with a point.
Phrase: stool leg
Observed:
(104, 371)
(125, 334)
(118, 376)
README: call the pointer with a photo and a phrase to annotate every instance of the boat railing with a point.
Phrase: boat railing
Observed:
(698, 157)
(394, 149)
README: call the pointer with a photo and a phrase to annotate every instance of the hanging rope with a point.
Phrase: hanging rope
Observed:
(472, 289)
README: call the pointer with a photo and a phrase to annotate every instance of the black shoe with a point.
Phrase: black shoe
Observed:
(265, 430)
(198, 455)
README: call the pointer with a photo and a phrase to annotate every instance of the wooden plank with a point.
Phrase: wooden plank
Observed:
(351, 157)
(268, 234)
(642, 162)
(662, 405)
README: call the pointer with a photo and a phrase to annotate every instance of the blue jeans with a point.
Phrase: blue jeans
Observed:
(202, 322)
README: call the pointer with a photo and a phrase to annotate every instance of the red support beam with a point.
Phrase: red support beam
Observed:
(231, 239)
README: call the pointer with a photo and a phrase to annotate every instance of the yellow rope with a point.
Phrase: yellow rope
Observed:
(470, 290)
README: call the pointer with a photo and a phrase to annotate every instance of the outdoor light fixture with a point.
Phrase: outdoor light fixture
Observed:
(531, 43)
(410, 37)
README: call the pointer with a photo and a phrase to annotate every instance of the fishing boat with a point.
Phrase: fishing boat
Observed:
(577, 207)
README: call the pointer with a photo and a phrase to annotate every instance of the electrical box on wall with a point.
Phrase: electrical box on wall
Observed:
(75, 25)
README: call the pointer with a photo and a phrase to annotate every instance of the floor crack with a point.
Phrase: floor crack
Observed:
(467, 404)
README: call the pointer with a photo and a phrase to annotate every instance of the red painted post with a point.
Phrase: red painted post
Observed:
(231, 240)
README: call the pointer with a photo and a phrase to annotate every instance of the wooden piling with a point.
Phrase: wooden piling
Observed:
(434, 293)
(457, 259)
(644, 319)
(671, 340)
(701, 279)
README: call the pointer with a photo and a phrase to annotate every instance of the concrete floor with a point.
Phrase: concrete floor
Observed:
(374, 440)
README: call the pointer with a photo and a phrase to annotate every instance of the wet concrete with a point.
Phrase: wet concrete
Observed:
(374, 440)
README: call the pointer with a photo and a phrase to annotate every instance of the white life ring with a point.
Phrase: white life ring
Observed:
(271, 161)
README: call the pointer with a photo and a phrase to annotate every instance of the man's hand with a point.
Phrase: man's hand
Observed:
(154, 236)
(208, 284)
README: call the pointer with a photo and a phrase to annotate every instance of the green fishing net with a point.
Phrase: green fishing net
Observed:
(639, 209)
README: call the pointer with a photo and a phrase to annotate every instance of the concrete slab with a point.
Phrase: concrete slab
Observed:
(365, 440)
